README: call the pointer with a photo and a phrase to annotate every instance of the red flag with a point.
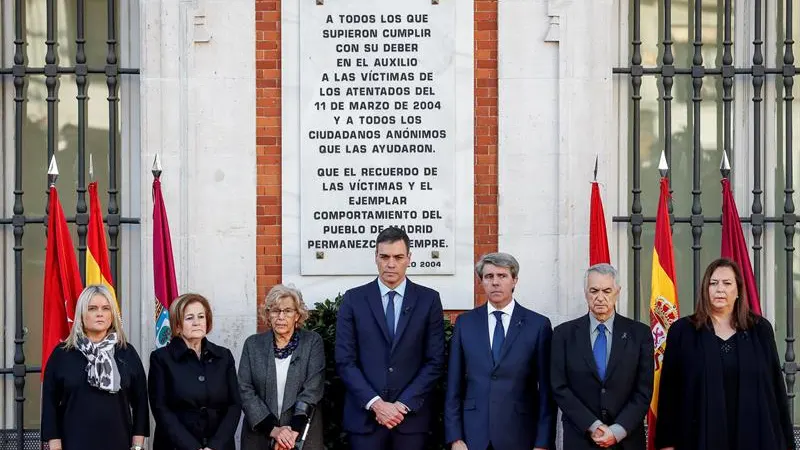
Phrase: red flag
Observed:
(735, 247)
(62, 280)
(164, 281)
(664, 309)
(598, 238)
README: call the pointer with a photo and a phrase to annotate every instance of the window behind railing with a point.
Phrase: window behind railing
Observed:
(70, 89)
(702, 77)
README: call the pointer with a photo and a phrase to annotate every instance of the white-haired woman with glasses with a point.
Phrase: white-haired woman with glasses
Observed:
(280, 371)
(94, 394)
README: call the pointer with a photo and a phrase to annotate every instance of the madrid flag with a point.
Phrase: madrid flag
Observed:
(734, 246)
(663, 299)
(164, 281)
(62, 280)
(98, 269)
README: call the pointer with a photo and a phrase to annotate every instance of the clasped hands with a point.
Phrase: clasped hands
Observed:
(388, 414)
(284, 437)
(603, 436)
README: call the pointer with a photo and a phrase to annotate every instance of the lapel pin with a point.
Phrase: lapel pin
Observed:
(624, 335)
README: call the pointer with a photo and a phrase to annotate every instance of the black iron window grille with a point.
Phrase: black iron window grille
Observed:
(684, 66)
(61, 80)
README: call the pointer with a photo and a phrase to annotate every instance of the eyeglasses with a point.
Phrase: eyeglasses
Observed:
(288, 312)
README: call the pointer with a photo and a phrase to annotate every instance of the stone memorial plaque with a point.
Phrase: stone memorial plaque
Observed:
(377, 132)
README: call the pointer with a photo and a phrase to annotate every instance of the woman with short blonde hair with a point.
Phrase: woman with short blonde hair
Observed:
(281, 372)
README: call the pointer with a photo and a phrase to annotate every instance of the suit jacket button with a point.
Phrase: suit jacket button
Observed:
(494, 377)
(391, 369)
(603, 390)
(201, 378)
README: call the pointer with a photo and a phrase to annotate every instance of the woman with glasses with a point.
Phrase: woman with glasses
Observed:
(193, 389)
(281, 371)
(94, 395)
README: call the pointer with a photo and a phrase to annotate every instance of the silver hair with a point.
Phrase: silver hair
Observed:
(82, 307)
(500, 260)
(602, 269)
(280, 291)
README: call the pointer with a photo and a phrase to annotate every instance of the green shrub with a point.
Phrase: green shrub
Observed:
(323, 321)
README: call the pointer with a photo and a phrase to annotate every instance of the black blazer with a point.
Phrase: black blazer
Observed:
(692, 398)
(195, 401)
(622, 398)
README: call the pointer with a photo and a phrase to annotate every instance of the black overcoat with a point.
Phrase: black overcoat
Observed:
(691, 405)
(195, 400)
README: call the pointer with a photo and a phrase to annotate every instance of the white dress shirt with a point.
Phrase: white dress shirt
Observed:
(616, 429)
(507, 311)
(281, 372)
(400, 293)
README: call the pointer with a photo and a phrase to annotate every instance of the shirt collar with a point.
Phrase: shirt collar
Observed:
(508, 309)
(400, 289)
(609, 323)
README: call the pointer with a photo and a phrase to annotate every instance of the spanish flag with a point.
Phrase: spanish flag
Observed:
(663, 299)
(98, 270)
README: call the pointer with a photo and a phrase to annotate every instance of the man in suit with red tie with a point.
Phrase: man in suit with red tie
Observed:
(602, 371)
(389, 352)
(498, 386)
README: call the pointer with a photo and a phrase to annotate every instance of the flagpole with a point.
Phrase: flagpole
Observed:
(725, 165)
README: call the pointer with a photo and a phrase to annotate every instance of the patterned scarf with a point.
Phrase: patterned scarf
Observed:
(285, 352)
(102, 369)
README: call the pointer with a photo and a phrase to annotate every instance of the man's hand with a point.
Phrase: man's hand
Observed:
(603, 436)
(459, 445)
(401, 407)
(387, 414)
(284, 437)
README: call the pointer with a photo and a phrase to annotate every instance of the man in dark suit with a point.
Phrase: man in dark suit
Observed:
(498, 387)
(389, 352)
(602, 371)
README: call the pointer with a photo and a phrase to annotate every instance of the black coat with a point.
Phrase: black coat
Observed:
(691, 414)
(85, 417)
(622, 398)
(195, 401)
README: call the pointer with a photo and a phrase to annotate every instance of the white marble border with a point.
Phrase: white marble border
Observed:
(198, 106)
(456, 290)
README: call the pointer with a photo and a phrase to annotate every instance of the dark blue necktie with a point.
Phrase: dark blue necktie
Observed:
(390, 314)
(498, 337)
(599, 350)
